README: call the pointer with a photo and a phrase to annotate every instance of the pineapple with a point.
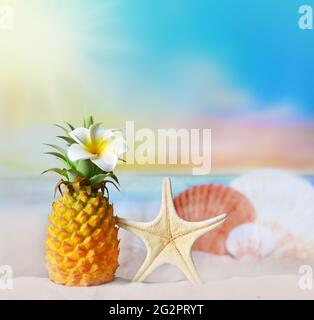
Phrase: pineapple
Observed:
(82, 245)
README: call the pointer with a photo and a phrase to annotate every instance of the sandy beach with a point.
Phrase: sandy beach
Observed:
(22, 232)
(222, 276)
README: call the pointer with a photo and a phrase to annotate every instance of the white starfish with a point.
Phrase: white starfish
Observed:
(168, 238)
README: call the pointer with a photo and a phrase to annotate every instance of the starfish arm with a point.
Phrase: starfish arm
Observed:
(183, 260)
(180, 257)
(153, 260)
(169, 238)
(196, 229)
(153, 241)
(167, 205)
(136, 227)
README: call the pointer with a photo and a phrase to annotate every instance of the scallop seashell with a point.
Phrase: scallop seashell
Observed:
(252, 240)
(283, 203)
(206, 201)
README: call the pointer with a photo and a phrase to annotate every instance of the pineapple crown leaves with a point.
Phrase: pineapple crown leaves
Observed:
(82, 170)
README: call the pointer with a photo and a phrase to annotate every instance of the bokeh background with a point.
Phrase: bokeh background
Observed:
(243, 69)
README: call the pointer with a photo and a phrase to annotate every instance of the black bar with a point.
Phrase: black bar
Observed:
(148, 309)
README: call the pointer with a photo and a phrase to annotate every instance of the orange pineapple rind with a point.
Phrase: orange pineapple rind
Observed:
(82, 245)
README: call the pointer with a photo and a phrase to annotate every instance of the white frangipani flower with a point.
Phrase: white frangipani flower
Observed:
(102, 146)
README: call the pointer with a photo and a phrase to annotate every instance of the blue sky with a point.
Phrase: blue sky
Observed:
(249, 51)
(162, 63)
(258, 43)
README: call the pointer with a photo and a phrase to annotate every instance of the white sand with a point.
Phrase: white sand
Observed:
(269, 287)
(223, 277)
(22, 247)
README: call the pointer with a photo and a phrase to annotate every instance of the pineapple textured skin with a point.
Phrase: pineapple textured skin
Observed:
(82, 247)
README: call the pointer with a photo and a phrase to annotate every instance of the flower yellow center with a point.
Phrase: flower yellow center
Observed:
(97, 147)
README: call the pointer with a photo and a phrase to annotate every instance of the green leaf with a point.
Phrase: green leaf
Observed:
(61, 172)
(106, 189)
(73, 174)
(71, 164)
(58, 155)
(89, 122)
(64, 158)
(67, 139)
(85, 168)
(97, 170)
(62, 128)
(61, 150)
(114, 177)
(111, 182)
(70, 126)
(98, 179)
